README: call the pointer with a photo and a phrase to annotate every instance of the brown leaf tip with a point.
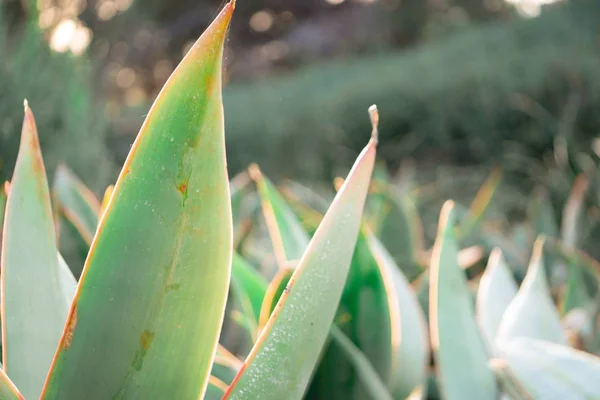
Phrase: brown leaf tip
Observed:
(374, 116)
(254, 171)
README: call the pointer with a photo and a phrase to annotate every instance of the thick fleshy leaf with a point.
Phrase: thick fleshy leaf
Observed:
(461, 359)
(551, 371)
(402, 231)
(289, 346)
(368, 376)
(273, 293)
(375, 386)
(288, 237)
(149, 306)
(250, 288)
(497, 289)
(34, 309)
(532, 313)
(107, 195)
(410, 338)
(8, 390)
(364, 301)
(76, 202)
(68, 283)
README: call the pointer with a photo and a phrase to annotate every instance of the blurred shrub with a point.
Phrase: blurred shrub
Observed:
(58, 86)
(497, 93)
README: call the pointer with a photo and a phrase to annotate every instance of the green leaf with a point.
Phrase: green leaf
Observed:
(68, 283)
(289, 346)
(3, 193)
(287, 235)
(532, 313)
(249, 286)
(107, 195)
(34, 309)
(149, 306)
(274, 291)
(497, 289)
(461, 360)
(8, 391)
(76, 202)
(551, 371)
(409, 334)
(368, 375)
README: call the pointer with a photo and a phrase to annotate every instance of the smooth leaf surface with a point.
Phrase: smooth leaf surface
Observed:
(551, 371)
(497, 289)
(288, 237)
(462, 362)
(3, 193)
(369, 317)
(8, 390)
(68, 283)
(289, 346)
(409, 334)
(249, 286)
(149, 306)
(34, 309)
(76, 202)
(532, 313)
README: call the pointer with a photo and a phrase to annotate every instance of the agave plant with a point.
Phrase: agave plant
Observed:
(199, 287)
(144, 319)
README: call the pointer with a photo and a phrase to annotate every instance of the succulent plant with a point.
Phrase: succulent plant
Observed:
(197, 286)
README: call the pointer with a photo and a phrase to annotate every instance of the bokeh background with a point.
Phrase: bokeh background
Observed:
(462, 86)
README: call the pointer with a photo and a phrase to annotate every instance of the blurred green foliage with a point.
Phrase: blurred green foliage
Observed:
(71, 125)
(499, 93)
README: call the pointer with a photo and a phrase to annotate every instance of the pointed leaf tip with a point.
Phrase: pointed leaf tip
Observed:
(374, 116)
(255, 172)
(26, 105)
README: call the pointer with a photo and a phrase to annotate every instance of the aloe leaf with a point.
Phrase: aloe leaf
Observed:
(76, 202)
(68, 283)
(497, 289)
(8, 390)
(107, 195)
(461, 360)
(288, 238)
(410, 338)
(3, 193)
(289, 346)
(552, 371)
(368, 375)
(532, 313)
(373, 384)
(249, 286)
(149, 306)
(34, 308)
(274, 291)
(288, 235)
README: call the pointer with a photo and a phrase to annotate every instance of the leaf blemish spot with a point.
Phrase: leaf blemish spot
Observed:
(182, 188)
(70, 329)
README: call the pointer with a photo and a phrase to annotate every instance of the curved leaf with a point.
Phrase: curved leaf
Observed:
(551, 371)
(149, 306)
(288, 237)
(76, 202)
(532, 313)
(273, 293)
(497, 288)
(461, 360)
(410, 338)
(290, 344)
(106, 199)
(249, 285)
(34, 308)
